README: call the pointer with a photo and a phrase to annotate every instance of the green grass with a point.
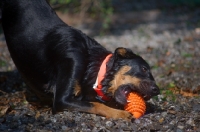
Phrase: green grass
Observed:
(2, 63)
(186, 55)
(171, 85)
(178, 41)
(168, 94)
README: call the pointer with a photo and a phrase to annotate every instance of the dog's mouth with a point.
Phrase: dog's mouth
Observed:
(124, 90)
(146, 97)
(128, 90)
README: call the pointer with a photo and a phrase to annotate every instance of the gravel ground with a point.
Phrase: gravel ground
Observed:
(168, 39)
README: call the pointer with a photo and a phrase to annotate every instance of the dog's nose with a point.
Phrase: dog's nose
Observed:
(155, 90)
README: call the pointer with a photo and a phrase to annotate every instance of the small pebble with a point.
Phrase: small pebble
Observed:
(179, 130)
(190, 122)
(161, 120)
(180, 127)
(64, 128)
(164, 114)
(109, 123)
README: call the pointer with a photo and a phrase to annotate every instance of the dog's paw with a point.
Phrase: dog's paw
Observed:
(126, 115)
(121, 114)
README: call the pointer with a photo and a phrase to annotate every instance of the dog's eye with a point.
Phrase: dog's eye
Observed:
(144, 69)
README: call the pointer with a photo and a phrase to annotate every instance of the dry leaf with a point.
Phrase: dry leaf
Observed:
(3, 110)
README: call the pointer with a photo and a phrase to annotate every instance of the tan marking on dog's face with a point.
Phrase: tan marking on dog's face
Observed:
(120, 78)
(77, 89)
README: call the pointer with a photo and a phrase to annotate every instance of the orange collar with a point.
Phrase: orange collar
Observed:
(101, 74)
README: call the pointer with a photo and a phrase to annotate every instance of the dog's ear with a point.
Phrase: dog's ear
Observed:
(124, 53)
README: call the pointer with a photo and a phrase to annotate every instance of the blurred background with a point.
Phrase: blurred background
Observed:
(109, 15)
(164, 32)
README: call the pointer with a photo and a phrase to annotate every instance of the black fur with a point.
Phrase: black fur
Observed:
(56, 58)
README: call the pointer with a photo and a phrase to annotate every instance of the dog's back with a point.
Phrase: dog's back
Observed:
(26, 23)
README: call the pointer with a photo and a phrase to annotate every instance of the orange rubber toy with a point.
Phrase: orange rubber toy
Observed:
(136, 105)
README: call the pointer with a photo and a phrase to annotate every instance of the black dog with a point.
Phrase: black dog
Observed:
(53, 57)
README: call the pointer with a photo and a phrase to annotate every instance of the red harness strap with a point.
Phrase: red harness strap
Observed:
(101, 74)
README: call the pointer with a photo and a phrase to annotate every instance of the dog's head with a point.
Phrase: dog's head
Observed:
(129, 72)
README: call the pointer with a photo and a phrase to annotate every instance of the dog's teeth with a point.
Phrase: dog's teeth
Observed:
(126, 92)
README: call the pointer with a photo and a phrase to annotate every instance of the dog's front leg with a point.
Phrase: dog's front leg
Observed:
(103, 110)
(69, 73)
(95, 108)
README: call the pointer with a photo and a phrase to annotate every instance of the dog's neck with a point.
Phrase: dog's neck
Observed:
(101, 75)
(95, 59)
